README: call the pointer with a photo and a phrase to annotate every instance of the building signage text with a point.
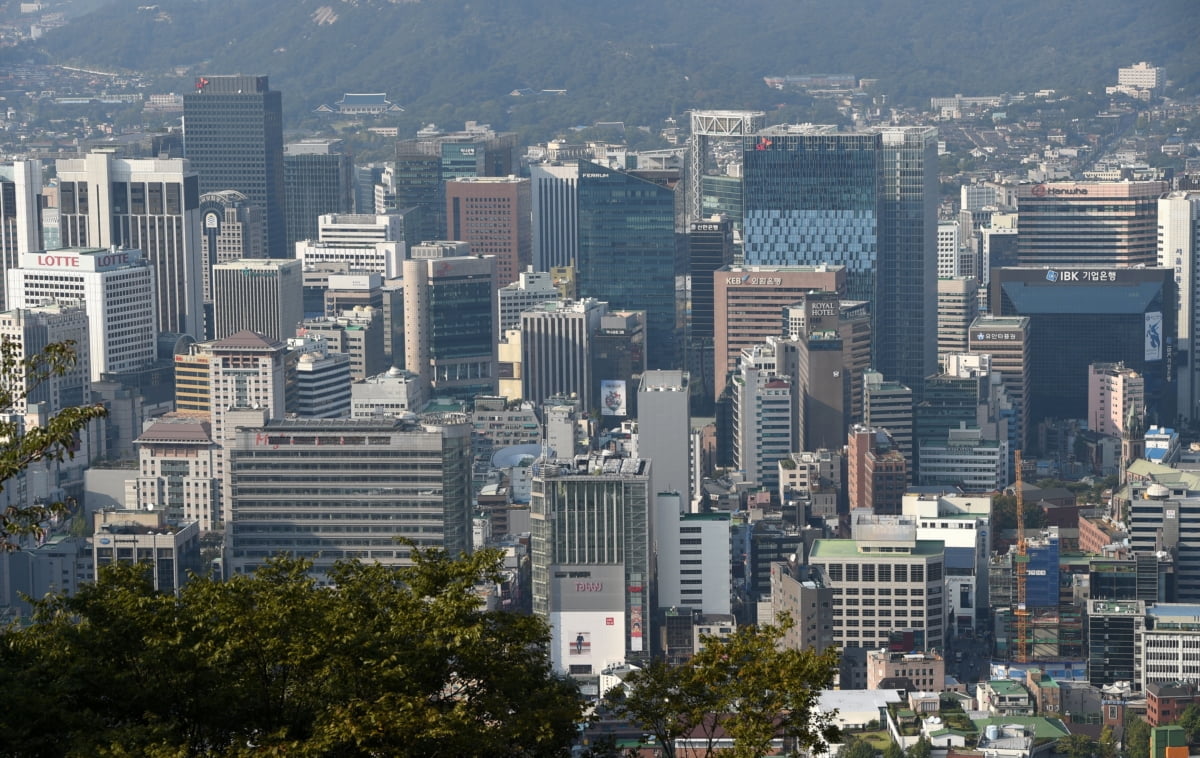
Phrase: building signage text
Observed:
(764, 281)
(589, 586)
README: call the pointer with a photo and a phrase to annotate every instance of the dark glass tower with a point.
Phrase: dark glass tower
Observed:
(318, 179)
(867, 201)
(628, 256)
(233, 136)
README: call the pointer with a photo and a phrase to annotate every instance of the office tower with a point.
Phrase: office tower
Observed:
(317, 179)
(1116, 394)
(628, 256)
(233, 138)
(964, 459)
(117, 290)
(232, 230)
(957, 308)
(556, 339)
(1006, 340)
(1082, 316)
(966, 394)
(28, 331)
(177, 463)
(889, 405)
(450, 324)
(822, 315)
(532, 287)
(364, 243)
(555, 206)
(1114, 634)
(386, 479)
(905, 308)
(710, 247)
(618, 359)
(876, 472)
(262, 296)
(762, 419)
(345, 292)
(822, 381)
(948, 244)
(357, 333)
(1179, 249)
(749, 303)
(492, 213)
(592, 551)
(321, 380)
(864, 200)
(664, 429)
(20, 214)
(150, 205)
(886, 559)
(417, 183)
(1170, 644)
(1081, 224)
(713, 132)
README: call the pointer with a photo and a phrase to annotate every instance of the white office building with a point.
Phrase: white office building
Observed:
(116, 288)
(365, 243)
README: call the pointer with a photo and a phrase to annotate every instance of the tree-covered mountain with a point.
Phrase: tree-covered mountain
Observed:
(445, 60)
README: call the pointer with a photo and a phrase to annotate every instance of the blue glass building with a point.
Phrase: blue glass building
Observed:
(628, 253)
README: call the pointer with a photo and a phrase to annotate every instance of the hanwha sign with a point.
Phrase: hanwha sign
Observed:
(1039, 190)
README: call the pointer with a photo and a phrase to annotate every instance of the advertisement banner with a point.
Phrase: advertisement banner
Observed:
(1154, 336)
(612, 397)
(635, 628)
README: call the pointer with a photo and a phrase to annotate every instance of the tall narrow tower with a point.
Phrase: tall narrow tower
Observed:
(233, 136)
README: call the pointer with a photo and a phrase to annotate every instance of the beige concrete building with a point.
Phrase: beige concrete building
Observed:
(927, 671)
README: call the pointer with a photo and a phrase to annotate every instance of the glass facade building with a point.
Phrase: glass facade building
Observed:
(233, 137)
(628, 255)
(315, 183)
(1082, 316)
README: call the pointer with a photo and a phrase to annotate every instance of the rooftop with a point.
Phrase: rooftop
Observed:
(825, 549)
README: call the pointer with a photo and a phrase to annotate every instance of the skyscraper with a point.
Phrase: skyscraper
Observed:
(493, 214)
(151, 205)
(263, 296)
(232, 231)
(233, 136)
(20, 219)
(317, 179)
(1088, 223)
(1179, 249)
(628, 256)
(555, 203)
(865, 200)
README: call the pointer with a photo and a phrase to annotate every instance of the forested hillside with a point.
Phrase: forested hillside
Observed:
(444, 60)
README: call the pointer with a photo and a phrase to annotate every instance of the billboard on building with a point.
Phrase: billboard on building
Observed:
(612, 397)
(1154, 336)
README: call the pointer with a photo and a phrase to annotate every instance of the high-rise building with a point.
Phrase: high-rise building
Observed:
(532, 287)
(1179, 249)
(1082, 224)
(762, 419)
(321, 380)
(1080, 316)
(876, 471)
(593, 561)
(710, 247)
(177, 472)
(628, 256)
(888, 405)
(232, 230)
(556, 340)
(262, 296)
(450, 324)
(693, 561)
(151, 205)
(1006, 340)
(749, 305)
(493, 214)
(317, 179)
(664, 428)
(555, 206)
(116, 288)
(619, 357)
(710, 132)
(865, 200)
(28, 331)
(233, 137)
(357, 333)
(822, 314)
(20, 214)
(169, 551)
(958, 307)
(364, 243)
(385, 479)
(948, 263)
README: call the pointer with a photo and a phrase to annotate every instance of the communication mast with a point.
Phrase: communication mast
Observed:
(1021, 562)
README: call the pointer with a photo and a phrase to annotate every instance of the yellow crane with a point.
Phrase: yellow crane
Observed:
(1021, 562)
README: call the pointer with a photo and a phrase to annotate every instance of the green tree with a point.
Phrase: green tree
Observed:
(1076, 746)
(920, 749)
(857, 748)
(744, 685)
(1106, 747)
(391, 662)
(893, 751)
(1137, 737)
(20, 447)
(1190, 721)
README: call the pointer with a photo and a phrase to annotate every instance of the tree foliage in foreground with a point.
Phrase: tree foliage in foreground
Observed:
(19, 448)
(743, 687)
(390, 663)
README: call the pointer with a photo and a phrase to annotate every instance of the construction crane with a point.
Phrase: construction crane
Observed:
(1021, 562)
